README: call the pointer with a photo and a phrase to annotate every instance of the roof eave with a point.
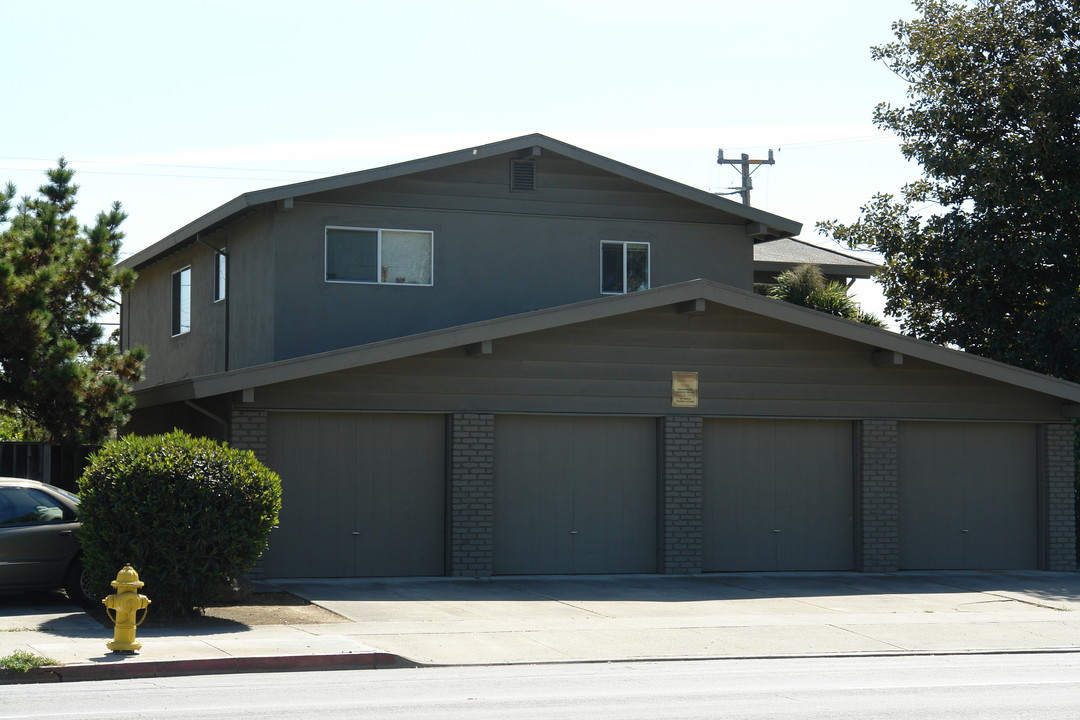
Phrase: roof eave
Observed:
(861, 272)
(383, 351)
(761, 225)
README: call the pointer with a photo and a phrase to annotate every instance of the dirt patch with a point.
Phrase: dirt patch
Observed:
(247, 609)
(273, 608)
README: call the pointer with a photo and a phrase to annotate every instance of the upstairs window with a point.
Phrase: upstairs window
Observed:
(624, 267)
(363, 255)
(221, 267)
(181, 301)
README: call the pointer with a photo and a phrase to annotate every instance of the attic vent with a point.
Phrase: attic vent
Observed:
(522, 175)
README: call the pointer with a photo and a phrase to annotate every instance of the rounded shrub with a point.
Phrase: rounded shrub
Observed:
(191, 516)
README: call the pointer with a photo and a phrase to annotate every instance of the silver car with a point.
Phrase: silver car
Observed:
(39, 543)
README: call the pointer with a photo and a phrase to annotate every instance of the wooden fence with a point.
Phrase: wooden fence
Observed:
(56, 465)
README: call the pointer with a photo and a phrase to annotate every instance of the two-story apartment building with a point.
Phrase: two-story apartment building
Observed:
(527, 358)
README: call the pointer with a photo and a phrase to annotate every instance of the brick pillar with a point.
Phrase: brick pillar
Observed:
(681, 473)
(877, 496)
(471, 535)
(1059, 497)
(247, 431)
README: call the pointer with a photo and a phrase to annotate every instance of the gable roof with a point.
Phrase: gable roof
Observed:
(610, 306)
(762, 226)
(787, 252)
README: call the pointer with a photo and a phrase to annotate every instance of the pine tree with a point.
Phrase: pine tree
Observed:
(57, 372)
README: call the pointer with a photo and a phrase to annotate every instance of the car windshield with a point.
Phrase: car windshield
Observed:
(70, 496)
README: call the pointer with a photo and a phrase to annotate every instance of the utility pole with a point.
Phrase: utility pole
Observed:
(745, 162)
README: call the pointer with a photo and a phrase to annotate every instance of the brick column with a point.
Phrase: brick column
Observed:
(471, 535)
(877, 496)
(1059, 497)
(681, 473)
(247, 431)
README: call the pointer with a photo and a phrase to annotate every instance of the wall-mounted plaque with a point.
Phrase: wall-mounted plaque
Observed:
(684, 389)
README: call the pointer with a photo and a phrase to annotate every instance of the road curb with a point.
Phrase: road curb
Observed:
(205, 666)
(379, 660)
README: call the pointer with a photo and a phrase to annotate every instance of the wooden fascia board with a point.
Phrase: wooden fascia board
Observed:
(187, 233)
(488, 330)
(309, 187)
(398, 348)
(180, 391)
(905, 345)
(865, 271)
(781, 226)
(873, 338)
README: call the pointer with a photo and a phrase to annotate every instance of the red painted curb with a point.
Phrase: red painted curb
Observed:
(207, 666)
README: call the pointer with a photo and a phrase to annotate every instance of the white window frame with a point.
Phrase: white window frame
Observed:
(221, 271)
(625, 244)
(378, 250)
(180, 303)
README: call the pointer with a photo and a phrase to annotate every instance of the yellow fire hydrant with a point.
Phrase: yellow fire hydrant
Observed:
(125, 605)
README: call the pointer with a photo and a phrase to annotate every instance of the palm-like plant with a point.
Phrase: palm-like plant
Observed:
(805, 285)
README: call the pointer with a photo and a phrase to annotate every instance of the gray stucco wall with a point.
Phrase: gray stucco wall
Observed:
(147, 313)
(485, 266)
(251, 304)
(748, 366)
(148, 319)
(496, 253)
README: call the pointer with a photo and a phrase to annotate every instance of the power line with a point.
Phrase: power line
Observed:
(164, 165)
(316, 173)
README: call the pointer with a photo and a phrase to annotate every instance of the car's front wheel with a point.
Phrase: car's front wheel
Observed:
(77, 586)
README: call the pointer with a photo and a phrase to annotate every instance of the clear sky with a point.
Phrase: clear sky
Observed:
(176, 108)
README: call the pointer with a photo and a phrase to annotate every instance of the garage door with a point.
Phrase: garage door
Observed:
(575, 495)
(968, 496)
(778, 495)
(362, 495)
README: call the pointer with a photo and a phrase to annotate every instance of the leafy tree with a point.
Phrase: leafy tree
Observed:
(983, 252)
(806, 285)
(190, 514)
(16, 428)
(57, 373)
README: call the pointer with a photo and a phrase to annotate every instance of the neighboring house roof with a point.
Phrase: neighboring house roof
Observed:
(769, 226)
(687, 292)
(784, 253)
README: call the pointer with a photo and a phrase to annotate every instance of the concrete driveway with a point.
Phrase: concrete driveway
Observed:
(618, 617)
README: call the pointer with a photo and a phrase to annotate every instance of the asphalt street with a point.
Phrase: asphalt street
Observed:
(1032, 686)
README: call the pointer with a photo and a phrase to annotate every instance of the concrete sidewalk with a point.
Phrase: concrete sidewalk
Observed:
(450, 621)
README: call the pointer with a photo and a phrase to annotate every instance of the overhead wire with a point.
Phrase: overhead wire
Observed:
(280, 171)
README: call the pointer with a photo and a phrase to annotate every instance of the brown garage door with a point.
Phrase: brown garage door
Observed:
(968, 496)
(362, 495)
(575, 495)
(778, 495)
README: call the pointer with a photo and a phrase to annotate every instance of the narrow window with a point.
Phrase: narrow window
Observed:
(396, 257)
(221, 263)
(181, 301)
(624, 267)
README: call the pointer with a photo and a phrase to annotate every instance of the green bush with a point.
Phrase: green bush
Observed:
(24, 661)
(190, 514)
